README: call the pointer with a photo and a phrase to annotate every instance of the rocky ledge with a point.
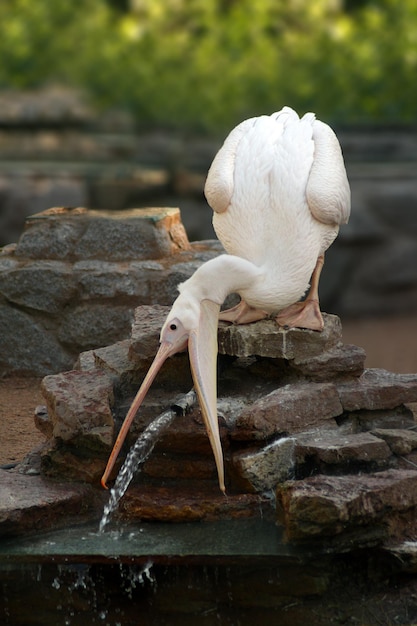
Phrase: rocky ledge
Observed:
(311, 438)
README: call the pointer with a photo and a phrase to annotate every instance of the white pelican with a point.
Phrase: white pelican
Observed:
(279, 191)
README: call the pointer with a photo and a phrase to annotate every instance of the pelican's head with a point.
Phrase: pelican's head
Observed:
(183, 318)
(190, 323)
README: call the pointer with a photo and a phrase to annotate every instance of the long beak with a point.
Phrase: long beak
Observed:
(165, 349)
(202, 347)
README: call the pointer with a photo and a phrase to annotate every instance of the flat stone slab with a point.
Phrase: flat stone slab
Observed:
(338, 449)
(378, 389)
(165, 504)
(265, 338)
(31, 503)
(62, 233)
(322, 506)
(294, 408)
(400, 440)
(343, 360)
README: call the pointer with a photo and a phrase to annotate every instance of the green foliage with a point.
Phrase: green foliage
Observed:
(207, 64)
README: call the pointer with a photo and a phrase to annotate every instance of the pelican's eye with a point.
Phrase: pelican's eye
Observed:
(173, 326)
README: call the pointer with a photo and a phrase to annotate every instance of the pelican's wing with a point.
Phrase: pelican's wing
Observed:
(220, 178)
(328, 191)
(256, 180)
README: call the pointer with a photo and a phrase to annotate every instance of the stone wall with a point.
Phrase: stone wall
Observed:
(75, 277)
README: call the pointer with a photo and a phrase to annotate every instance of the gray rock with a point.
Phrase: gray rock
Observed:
(101, 279)
(323, 506)
(94, 325)
(338, 449)
(28, 347)
(46, 286)
(399, 417)
(340, 361)
(52, 234)
(399, 440)
(149, 233)
(266, 339)
(378, 389)
(291, 409)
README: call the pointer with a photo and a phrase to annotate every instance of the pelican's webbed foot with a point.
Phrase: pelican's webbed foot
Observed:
(305, 314)
(242, 313)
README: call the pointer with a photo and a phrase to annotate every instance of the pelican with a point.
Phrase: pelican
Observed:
(279, 192)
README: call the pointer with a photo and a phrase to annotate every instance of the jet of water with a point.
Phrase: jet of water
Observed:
(141, 451)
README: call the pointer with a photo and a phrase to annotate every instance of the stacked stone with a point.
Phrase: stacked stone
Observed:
(300, 418)
(73, 280)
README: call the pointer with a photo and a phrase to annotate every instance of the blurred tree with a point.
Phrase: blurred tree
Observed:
(206, 64)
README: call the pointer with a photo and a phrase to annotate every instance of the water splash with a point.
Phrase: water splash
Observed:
(141, 451)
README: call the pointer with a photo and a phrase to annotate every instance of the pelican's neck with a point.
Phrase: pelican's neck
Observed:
(219, 277)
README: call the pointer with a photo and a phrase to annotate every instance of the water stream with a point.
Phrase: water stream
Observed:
(141, 451)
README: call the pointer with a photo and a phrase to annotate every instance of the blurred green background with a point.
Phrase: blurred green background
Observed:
(206, 64)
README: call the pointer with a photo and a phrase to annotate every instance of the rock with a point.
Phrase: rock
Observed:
(79, 234)
(378, 389)
(114, 360)
(52, 234)
(343, 450)
(400, 417)
(72, 464)
(146, 329)
(27, 347)
(31, 503)
(102, 279)
(93, 325)
(290, 409)
(188, 504)
(133, 234)
(399, 440)
(340, 361)
(46, 286)
(267, 339)
(261, 470)
(364, 506)
(79, 406)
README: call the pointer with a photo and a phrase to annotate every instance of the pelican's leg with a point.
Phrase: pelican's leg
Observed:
(242, 313)
(305, 314)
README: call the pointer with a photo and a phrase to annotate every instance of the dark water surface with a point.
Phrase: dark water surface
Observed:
(201, 573)
(237, 573)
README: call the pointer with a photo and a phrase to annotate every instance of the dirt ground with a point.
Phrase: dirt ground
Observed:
(389, 343)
